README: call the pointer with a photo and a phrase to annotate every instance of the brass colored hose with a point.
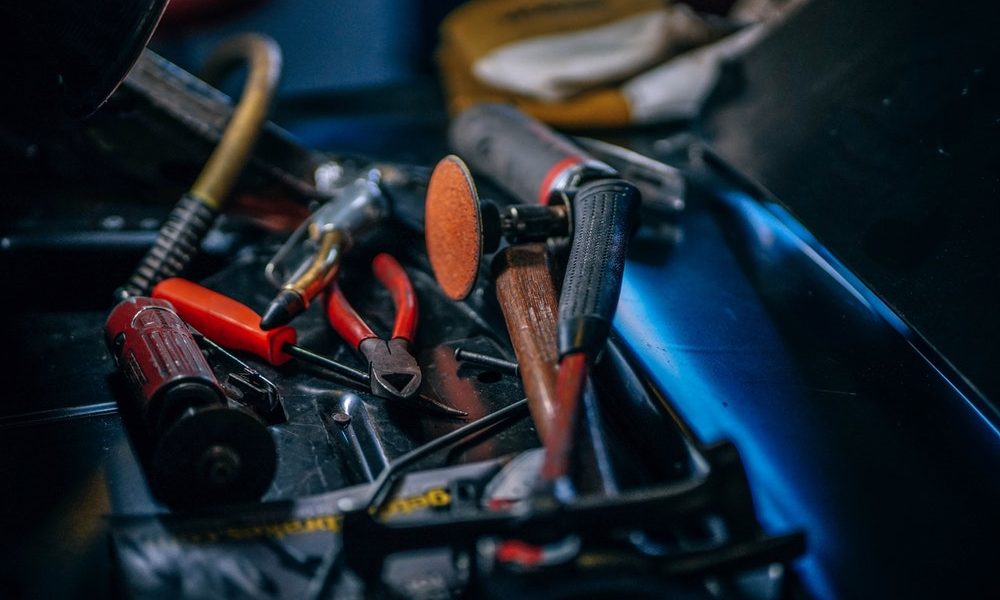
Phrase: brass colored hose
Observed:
(263, 58)
(192, 217)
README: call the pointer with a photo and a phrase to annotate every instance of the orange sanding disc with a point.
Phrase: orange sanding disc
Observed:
(452, 227)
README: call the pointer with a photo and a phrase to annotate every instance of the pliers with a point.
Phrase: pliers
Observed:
(393, 371)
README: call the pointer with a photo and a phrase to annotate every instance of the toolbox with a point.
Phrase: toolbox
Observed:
(395, 352)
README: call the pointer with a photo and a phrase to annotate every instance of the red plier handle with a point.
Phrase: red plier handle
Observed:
(350, 326)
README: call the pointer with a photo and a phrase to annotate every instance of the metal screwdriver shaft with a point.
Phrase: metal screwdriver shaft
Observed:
(485, 360)
(322, 361)
(362, 379)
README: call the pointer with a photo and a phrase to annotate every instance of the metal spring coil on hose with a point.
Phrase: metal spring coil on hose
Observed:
(192, 217)
(176, 245)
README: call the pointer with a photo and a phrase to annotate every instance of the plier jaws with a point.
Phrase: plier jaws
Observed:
(393, 370)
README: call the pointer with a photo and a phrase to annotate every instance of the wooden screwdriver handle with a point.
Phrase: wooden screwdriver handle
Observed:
(527, 297)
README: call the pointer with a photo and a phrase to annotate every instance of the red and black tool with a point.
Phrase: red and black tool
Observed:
(523, 156)
(198, 449)
(604, 212)
(235, 326)
(392, 369)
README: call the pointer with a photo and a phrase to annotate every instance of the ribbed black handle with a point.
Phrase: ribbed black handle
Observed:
(604, 213)
(519, 153)
(176, 245)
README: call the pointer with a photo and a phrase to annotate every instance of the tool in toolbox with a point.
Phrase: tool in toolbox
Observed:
(715, 489)
(460, 228)
(537, 165)
(718, 490)
(236, 326)
(485, 360)
(321, 242)
(392, 369)
(198, 449)
(523, 281)
(196, 211)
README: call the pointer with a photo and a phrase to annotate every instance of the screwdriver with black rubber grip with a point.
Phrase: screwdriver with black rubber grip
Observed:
(604, 213)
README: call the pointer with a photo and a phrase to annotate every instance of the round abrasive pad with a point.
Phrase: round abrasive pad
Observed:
(453, 228)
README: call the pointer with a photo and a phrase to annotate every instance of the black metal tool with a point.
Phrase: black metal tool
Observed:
(382, 485)
(717, 489)
(604, 212)
(485, 360)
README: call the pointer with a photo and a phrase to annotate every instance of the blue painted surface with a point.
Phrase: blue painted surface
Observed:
(846, 429)
(326, 45)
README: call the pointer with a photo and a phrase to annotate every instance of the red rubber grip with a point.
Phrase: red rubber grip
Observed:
(350, 326)
(393, 276)
(344, 319)
(225, 321)
(573, 371)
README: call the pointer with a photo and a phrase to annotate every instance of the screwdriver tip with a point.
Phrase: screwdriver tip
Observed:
(285, 307)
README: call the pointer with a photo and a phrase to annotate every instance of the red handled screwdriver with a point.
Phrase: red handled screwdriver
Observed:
(235, 326)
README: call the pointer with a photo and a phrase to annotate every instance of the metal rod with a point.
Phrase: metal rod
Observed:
(381, 485)
(56, 415)
(485, 360)
(322, 361)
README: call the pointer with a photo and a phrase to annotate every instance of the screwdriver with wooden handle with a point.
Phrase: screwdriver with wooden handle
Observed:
(236, 326)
